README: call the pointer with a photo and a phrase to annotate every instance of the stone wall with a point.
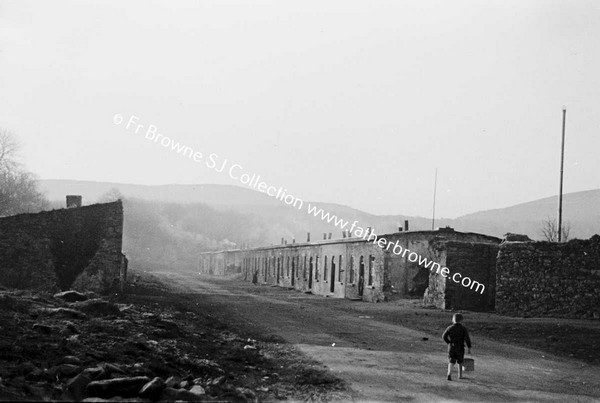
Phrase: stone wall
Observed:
(410, 279)
(471, 262)
(233, 263)
(549, 279)
(77, 248)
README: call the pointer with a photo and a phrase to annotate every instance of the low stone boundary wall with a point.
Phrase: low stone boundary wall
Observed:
(549, 279)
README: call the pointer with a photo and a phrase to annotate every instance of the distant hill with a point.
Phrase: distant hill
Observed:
(170, 224)
(276, 218)
(580, 209)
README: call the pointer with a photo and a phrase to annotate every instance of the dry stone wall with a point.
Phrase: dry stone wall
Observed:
(549, 279)
(76, 248)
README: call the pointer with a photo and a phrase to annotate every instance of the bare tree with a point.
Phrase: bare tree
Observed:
(18, 187)
(9, 146)
(549, 230)
(111, 195)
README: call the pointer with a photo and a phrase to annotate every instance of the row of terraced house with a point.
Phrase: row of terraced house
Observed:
(358, 268)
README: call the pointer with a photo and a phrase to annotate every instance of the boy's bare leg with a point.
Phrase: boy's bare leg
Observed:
(460, 371)
(450, 368)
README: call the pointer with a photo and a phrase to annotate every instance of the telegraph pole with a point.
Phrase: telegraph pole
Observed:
(434, 191)
(560, 191)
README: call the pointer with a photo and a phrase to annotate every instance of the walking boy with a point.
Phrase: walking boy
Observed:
(456, 336)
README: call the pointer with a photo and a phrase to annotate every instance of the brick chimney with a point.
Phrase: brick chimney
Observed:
(73, 201)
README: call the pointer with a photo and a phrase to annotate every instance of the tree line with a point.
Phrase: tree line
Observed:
(18, 187)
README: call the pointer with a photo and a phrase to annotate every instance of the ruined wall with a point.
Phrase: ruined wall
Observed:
(217, 263)
(412, 280)
(328, 272)
(409, 279)
(220, 263)
(308, 267)
(549, 279)
(466, 260)
(378, 289)
(76, 248)
(289, 273)
(233, 262)
(435, 293)
(364, 270)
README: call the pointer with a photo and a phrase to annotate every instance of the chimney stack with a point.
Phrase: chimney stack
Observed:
(308, 237)
(73, 201)
(330, 235)
(343, 234)
(405, 225)
(293, 240)
(324, 235)
(400, 229)
(282, 241)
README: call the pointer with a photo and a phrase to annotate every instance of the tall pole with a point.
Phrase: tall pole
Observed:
(434, 192)
(562, 160)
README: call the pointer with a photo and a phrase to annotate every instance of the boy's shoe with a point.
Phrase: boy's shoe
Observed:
(449, 378)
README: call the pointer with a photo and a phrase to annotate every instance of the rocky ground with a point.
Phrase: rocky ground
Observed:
(146, 345)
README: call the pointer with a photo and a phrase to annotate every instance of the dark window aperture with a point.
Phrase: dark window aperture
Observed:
(305, 268)
(333, 268)
(371, 269)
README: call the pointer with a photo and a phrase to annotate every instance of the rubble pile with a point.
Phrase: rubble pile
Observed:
(79, 347)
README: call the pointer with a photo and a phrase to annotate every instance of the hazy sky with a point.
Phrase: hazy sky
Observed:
(353, 102)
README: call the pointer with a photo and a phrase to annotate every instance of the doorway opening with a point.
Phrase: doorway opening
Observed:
(361, 276)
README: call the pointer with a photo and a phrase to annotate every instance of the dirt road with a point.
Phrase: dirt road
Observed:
(385, 361)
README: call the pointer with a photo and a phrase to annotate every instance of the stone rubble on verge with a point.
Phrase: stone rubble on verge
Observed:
(71, 296)
(56, 363)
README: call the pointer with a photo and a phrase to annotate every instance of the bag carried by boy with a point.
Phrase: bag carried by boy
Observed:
(468, 364)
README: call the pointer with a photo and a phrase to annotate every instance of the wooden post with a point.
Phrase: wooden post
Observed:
(560, 191)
